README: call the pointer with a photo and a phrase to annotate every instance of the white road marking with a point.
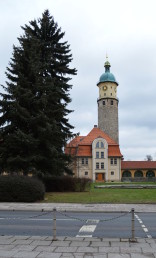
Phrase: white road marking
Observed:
(143, 226)
(93, 221)
(83, 235)
(87, 228)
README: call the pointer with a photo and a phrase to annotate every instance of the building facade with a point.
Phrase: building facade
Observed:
(97, 156)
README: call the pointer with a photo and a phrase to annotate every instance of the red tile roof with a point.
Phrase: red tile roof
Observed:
(138, 164)
(82, 145)
(85, 150)
(96, 133)
(114, 151)
(75, 141)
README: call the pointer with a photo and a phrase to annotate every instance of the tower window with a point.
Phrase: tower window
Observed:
(86, 173)
(112, 173)
(103, 102)
(111, 102)
(111, 94)
(104, 94)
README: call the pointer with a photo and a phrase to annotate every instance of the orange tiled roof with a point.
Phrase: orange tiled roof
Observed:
(138, 164)
(82, 145)
(84, 150)
(96, 133)
(114, 151)
(70, 151)
(75, 141)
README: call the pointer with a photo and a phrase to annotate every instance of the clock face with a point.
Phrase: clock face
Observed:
(105, 87)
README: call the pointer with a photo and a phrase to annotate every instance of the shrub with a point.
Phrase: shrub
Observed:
(65, 184)
(21, 189)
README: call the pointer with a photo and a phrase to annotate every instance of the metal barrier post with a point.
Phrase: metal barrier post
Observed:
(133, 227)
(54, 224)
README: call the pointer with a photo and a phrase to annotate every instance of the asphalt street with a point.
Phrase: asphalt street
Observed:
(77, 224)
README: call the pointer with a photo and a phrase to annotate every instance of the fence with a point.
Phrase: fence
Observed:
(55, 213)
(132, 239)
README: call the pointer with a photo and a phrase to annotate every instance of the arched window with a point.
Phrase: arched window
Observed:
(126, 173)
(97, 145)
(102, 145)
(138, 173)
(150, 173)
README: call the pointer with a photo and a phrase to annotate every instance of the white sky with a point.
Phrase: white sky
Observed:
(126, 30)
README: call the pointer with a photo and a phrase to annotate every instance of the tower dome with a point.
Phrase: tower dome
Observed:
(107, 76)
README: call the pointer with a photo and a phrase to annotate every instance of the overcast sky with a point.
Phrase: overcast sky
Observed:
(126, 31)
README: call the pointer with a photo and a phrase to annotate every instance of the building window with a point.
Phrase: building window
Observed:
(111, 102)
(97, 145)
(111, 161)
(103, 102)
(112, 173)
(102, 155)
(84, 161)
(86, 173)
(111, 94)
(97, 165)
(102, 165)
(102, 145)
(97, 155)
(104, 94)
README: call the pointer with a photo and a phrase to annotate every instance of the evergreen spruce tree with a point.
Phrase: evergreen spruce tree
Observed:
(33, 125)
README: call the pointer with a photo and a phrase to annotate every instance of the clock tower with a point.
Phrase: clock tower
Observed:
(108, 103)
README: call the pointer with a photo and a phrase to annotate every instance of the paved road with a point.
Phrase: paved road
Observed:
(75, 224)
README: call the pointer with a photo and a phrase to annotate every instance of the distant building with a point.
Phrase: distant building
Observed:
(138, 169)
(97, 156)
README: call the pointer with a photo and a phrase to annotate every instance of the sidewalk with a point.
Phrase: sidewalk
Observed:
(44, 247)
(78, 207)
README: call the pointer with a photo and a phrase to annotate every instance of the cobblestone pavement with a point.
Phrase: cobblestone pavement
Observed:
(78, 207)
(45, 247)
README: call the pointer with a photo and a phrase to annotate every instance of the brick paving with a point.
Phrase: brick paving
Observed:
(45, 247)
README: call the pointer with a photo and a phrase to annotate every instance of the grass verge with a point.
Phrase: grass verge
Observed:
(104, 196)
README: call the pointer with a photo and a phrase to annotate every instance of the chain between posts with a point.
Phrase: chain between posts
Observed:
(103, 220)
(31, 217)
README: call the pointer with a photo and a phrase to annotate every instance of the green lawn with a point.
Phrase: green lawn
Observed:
(104, 196)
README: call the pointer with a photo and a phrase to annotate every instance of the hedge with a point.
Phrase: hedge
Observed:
(65, 184)
(21, 189)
